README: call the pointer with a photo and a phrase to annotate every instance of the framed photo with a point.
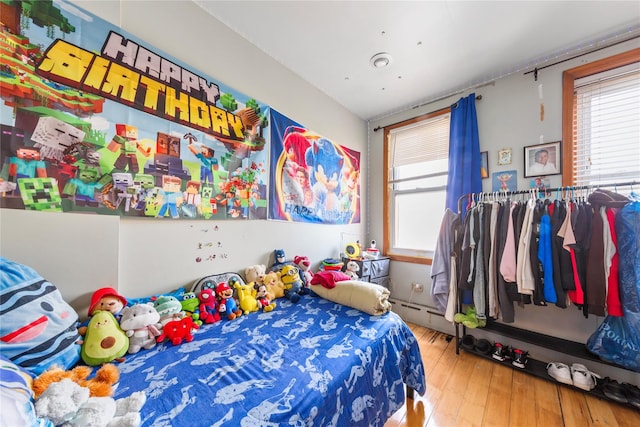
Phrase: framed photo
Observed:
(543, 159)
(504, 156)
(504, 181)
(484, 164)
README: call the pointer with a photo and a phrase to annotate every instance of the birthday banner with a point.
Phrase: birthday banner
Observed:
(313, 178)
(96, 121)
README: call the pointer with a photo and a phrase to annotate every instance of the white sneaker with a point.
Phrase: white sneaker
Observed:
(560, 372)
(582, 377)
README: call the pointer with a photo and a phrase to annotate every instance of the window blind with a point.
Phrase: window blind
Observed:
(607, 127)
(420, 142)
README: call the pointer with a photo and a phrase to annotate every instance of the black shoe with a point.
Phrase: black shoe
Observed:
(483, 346)
(468, 342)
(520, 358)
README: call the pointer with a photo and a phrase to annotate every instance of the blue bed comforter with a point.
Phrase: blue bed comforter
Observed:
(314, 363)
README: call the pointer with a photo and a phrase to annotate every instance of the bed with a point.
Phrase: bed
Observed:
(312, 363)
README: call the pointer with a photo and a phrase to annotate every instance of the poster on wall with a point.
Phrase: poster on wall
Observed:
(313, 179)
(96, 121)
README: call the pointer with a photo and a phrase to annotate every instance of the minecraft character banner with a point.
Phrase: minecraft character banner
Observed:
(313, 179)
(94, 120)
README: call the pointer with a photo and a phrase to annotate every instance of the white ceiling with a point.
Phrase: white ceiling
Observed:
(439, 48)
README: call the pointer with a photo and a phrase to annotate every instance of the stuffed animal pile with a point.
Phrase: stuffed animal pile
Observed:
(68, 398)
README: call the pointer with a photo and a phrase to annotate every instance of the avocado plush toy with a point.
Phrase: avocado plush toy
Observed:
(104, 340)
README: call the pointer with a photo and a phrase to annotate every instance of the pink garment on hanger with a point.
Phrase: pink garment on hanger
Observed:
(614, 305)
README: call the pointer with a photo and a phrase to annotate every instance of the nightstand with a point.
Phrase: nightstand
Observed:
(372, 270)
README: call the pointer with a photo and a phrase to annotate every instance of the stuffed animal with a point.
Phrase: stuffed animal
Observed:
(104, 340)
(141, 323)
(279, 260)
(191, 307)
(105, 299)
(263, 297)
(169, 309)
(352, 269)
(255, 273)
(292, 283)
(227, 304)
(100, 385)
(246, 297)
(66, 402)
(304, 265)
(275, 287)
(177, 331)
(208, 306)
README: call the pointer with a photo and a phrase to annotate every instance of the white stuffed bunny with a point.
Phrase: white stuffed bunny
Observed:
(352, 270)
(68, 404)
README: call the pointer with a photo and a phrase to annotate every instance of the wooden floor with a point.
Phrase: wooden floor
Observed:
(467, 390)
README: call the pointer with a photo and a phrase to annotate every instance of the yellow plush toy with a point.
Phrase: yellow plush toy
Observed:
(246, 296)
(274, 284)
(99, 386)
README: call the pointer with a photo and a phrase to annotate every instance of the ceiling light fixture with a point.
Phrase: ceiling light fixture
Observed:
(380, 60)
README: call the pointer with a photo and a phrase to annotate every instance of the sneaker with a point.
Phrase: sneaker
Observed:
(500, 352)
(520, 358)
(560, 372)
(582, 377)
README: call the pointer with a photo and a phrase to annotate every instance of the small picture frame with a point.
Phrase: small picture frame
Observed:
(504, 156)
(484, 164)
(543, 159)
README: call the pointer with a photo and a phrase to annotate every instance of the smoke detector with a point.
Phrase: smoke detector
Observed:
(380, 60)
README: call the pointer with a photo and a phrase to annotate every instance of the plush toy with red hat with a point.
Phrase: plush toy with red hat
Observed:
(105, 299)
(227, 303)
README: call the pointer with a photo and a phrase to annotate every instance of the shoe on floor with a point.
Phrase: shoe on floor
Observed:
(632, 393)
(560, 372)
(614, 390)
(582, 377)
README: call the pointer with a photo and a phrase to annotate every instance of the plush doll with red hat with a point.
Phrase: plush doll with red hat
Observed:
(105, 299)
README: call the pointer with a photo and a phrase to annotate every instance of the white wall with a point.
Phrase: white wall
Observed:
(508, 117)
(142, 256)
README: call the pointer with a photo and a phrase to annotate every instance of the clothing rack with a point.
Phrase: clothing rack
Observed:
(575, 349)
(472, 196)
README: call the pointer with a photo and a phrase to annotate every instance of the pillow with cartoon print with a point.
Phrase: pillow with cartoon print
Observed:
(38, 327)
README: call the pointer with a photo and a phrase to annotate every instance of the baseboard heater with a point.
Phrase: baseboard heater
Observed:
(416, 307)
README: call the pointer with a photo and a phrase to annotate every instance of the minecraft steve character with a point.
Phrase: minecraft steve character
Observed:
(170, 196)
(205, 155)
(126, 140)
(26, 164)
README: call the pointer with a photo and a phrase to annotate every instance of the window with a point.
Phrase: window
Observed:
(601, 121)
(415, 174)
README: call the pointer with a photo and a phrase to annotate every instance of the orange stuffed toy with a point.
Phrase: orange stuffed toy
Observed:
(99, 385)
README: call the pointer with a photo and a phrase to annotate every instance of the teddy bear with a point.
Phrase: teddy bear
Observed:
(208, 306)
(352, 269)
(67, 403)
(293, 287)
(255, 273)
(141, 323)
(98, 386)
(177, 331)
(227, 303)
(274, 284)
(304, 265)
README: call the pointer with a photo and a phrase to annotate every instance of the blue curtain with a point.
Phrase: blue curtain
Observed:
(464, 152)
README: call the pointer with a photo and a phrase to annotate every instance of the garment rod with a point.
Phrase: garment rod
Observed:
(557, 189)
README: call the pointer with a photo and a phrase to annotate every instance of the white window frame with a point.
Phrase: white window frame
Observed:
(390, 223)
(616, 64)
